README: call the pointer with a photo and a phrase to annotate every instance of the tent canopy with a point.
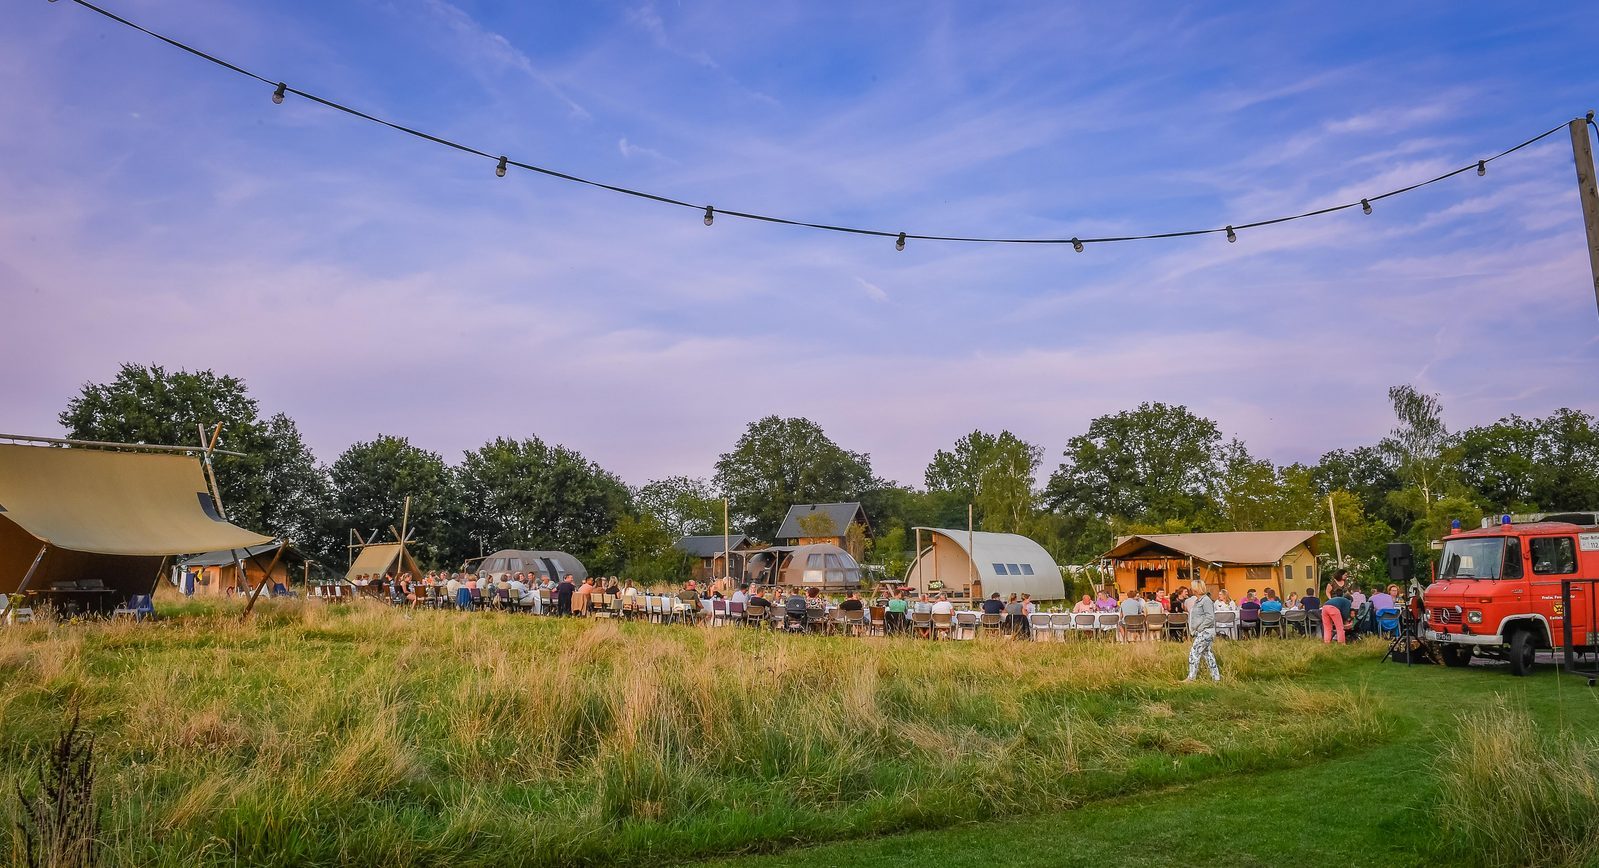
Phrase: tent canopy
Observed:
(115, 503)
(1227, 547)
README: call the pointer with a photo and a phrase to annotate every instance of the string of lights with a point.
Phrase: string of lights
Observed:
(503, 163)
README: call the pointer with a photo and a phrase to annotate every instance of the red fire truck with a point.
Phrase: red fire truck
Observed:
(1498, 590)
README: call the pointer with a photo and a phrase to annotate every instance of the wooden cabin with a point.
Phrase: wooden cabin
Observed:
(840, 524)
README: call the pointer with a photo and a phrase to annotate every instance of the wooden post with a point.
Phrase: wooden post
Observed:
(11, 599)
(727, 535)
(1587, 194)
(265, 577)
(210, 475)
(1338, 547)
(971, 552)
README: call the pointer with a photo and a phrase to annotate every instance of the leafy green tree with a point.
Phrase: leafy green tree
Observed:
(780, 462)
(371, 481)
(683, 506)
(1363, 472)
(995, 473)
(1526, 465)
(526, 494)
(640, 548)
(1415, 449)
(1150, 465)
(276, 488)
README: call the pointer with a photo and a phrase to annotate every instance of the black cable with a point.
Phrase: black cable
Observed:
(784, 221)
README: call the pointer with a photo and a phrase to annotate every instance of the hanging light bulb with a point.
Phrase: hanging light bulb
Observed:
(1482, 168)
(277, 95)
(1231, 235)
(1365, 206)
(1077, 245)
(710, 215)
(899, 243)
(499, 171)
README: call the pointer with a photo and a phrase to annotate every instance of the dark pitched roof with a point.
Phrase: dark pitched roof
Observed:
(709, 545)
(221, 558)
(842, 514)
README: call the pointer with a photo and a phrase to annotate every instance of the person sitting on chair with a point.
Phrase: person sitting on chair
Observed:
(994, 605)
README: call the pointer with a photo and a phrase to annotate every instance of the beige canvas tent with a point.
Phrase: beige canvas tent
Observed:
(91, 527)
(377, 560)
(973, 564)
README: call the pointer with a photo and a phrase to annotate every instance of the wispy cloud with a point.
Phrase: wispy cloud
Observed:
(485, 45)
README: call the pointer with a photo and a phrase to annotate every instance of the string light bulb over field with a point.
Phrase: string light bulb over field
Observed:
(1077, 243)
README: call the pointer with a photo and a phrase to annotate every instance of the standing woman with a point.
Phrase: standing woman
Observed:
(1202, 624)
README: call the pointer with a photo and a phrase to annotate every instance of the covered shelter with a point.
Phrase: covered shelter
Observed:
(375, 561)
(1236, 561)
(973, 564)
(87, 528)
(842, 524)
(236, 571)
(707, 552)
(823, 566)
(542, 564)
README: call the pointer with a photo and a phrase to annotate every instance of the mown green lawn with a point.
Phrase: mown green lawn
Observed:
(1372, 804)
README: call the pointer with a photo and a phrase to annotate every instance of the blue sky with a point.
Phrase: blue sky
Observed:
(160, 210)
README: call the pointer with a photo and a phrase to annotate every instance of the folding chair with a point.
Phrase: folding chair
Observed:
(1085, 624)
(965, 625)
(1060, 623)
(1270, 621)
(1132, 626)
(1155, 625)
(1227, 624)
(922, 624)
(1039, 627)
(1108, 624)
(943, 622)
(1177, 626)
(1295, 618)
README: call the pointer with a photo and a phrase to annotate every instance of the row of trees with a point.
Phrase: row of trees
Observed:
(1156, 468)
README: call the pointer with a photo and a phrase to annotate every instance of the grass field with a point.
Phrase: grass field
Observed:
(355, 735)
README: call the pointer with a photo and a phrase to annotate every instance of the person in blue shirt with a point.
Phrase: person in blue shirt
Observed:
(1271, 603)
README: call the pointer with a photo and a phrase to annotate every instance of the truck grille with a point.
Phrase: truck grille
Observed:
(1442, 615)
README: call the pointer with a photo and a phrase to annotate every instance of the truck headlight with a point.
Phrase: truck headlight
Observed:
(1474, 617)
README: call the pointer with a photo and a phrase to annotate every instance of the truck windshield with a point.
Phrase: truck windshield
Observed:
(1474, 558)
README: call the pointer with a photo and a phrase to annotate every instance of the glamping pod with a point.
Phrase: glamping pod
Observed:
(818, 565)
(974, 564)
(552, 565)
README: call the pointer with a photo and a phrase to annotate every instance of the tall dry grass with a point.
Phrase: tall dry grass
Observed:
(318, 735)
(1513, 795)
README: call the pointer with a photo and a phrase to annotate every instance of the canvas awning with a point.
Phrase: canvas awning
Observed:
(117, 503)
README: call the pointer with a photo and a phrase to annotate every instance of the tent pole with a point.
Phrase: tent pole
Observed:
(11, 599)
(727, 534)
(265, 577)
(210, 475)
(971, 551)
(1333, 514)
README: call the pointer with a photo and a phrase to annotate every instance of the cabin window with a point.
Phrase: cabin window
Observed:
(1027, 569)
(1015, 570)
(1288, 572)
(999, 569)
(1552, 556)
(496, 565)
(516, 565)
(813, 561)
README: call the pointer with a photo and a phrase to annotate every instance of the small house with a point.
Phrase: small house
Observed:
(840, 524)
(707, 553)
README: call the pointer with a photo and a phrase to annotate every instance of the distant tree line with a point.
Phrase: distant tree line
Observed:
(1154, 468)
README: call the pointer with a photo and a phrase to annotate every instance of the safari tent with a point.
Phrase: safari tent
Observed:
(235, 571)
(86, 528)
(1237, 561)
(974, 564)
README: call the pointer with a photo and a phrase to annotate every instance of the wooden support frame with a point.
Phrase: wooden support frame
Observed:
(11, 599)
(265, 577)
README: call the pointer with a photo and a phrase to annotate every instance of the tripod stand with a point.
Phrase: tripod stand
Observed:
(1406, 642)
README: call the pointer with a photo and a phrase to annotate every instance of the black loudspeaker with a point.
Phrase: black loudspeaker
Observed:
(1401, 563)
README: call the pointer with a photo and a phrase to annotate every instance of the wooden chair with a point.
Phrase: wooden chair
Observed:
(943, 622)
(921, 624)
(877, 620)
(990, 623)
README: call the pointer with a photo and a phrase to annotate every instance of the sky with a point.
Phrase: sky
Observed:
(157, 209)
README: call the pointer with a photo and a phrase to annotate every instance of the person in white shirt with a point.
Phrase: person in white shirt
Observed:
(452, 586)
(943, 606)
(741, 595)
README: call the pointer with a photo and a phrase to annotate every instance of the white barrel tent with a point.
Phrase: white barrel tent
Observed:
(975, 564)
(94, 526)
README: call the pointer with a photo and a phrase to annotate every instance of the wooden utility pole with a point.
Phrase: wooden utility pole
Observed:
(727, 534)
(1338, 547)
(1582, 154)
